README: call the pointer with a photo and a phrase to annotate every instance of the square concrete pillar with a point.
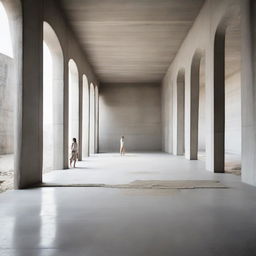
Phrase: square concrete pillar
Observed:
(248, 90)
(66, 114)
(30, 123)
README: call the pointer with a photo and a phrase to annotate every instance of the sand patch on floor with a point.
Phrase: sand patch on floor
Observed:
(151, 184)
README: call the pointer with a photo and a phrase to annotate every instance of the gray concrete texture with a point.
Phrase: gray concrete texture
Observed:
(214, 17)
(7, 104)
(114, 222)
(27, 37)
(131, 110)
(131, 41)
(199, 45)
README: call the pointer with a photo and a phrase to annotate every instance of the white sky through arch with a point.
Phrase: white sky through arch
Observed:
(5, 42)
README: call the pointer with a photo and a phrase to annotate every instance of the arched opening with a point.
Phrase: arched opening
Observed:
(73, 102)
(53, 108)
(92, 119)
(86, 113)
(180, 129)
(6, 41)
(194, 104)
(8, 93)
(227, 94)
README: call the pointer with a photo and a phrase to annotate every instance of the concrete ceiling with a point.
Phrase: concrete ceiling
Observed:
(131, 40)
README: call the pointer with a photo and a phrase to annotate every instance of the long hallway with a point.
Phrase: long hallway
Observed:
(170, 82)
(111, 168)
(96, 221)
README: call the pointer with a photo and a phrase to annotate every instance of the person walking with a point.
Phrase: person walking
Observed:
(122, 148)
(74, 153)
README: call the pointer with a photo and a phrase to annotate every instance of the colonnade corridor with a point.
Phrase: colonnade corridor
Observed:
(127, 128)
(113, 169)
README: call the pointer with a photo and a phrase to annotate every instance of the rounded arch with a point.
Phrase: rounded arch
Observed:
(12, 11)
(86, 114)
(53, 100)
(92, 118)
(219, 87)
(180, 108)
(194, 102)
(73, 101)
(52, 41)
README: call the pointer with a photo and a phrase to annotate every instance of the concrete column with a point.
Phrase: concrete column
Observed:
(219, 102)
(97, 119)
(187, 113)
(85, 119)
(80, 124)
(248, 90)
(180, 108)
(209, 106)
(194, 106)
(66, 115)
(30, 127)
(92, 119)
(89, 118)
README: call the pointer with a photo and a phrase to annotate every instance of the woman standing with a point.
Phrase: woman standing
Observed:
(122, 149)
(74, 152)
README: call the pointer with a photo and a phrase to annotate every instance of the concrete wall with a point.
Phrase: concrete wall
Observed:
(199, 41)
(132, 110)
(233, 114)
(202, 118)
(26, 20)
(232, 118)
(7, 97)
(53, 14)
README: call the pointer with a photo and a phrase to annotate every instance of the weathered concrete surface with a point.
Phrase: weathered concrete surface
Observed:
(84, 141)
(109, 222)
(232, 115)
(248, 20)
(7, 104)
(233, 131)
(92, 120)
(132, 110)
(200, 38)
(31, 149)
(73, 103)
(131, 41)
(71, 50)
(179, 110)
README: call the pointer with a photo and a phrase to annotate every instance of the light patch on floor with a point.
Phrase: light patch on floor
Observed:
(149, 192)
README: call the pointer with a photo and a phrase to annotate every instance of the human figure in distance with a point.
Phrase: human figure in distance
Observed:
(74, 153)
(122, 148)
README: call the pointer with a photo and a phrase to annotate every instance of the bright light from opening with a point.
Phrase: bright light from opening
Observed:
(48, 100)
(5, 42)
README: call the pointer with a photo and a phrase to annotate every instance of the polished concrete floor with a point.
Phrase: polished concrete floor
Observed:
(74, 221)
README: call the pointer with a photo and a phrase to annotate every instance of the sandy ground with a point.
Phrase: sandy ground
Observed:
(232, 162)
(6, 172)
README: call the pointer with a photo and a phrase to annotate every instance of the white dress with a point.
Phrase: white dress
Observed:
(121, 142)
(74, 149)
